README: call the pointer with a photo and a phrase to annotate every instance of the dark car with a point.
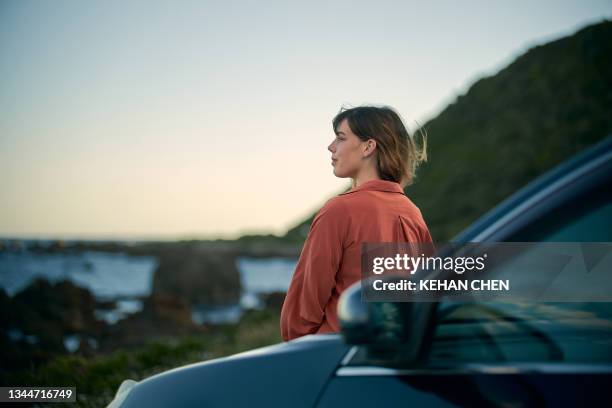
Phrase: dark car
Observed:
(444, 353)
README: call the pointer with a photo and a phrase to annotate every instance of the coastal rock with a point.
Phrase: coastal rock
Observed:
(163, 316)
(60, 307)
(198, 276)
(37, 319)
(168, 311)
(273, 301)
(5, 302)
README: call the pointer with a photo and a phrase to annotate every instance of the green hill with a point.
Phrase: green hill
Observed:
(551, 102)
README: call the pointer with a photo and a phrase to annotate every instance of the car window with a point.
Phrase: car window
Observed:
(586, 218)
(535, 331)
(592, 226)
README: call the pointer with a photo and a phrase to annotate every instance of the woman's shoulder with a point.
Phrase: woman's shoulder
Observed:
(333, 215)
(335, 205)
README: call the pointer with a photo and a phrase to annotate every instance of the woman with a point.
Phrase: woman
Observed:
(374, 149)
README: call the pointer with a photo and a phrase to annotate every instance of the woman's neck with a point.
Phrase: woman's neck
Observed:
(364, 177)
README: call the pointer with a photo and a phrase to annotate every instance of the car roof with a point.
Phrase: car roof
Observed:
(557, 173)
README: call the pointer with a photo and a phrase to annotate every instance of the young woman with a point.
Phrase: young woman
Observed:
(374, 149)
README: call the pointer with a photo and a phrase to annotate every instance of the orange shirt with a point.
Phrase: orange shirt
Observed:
(376, 211)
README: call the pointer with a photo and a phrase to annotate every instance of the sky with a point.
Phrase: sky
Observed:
(205, 119)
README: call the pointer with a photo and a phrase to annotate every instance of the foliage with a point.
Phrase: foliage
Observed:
(98, 378)
(550, 103)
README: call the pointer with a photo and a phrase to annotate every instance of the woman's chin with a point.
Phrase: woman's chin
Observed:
(340, 174)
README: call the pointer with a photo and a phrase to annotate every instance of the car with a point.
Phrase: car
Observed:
(445, 353)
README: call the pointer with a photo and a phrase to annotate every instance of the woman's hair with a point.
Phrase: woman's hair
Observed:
(398, 154)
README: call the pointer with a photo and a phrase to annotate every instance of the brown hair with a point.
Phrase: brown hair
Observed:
(398, 154)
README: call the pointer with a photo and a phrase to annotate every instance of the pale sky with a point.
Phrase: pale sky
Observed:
(200, 119)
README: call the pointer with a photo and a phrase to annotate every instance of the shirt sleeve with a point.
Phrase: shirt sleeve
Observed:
(315, 276)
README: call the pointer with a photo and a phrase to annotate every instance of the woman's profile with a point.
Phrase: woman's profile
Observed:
(374, 149)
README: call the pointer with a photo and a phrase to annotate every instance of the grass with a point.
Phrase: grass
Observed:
(98, 378)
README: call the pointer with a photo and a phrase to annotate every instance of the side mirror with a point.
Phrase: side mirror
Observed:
(398, 329)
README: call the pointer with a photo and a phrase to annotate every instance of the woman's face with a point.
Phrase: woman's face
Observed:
(347, 152)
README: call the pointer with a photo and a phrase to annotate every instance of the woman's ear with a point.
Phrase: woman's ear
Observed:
(370, 147)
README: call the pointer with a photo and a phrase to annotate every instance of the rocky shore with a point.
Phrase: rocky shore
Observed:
(37, 321)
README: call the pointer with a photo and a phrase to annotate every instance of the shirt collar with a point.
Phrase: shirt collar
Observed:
(378, 185)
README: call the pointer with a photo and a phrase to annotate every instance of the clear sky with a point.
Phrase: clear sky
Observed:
(200, 119)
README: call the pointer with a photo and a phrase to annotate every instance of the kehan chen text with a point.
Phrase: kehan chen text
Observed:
(443, 285)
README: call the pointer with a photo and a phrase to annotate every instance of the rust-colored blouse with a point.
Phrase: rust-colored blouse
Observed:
(376, 211)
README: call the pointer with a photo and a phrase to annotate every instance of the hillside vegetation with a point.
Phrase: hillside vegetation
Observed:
(550, 103)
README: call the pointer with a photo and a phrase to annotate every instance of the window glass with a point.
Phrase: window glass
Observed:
(536, 332)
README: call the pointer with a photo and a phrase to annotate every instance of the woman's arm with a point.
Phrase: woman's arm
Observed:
(315, 275)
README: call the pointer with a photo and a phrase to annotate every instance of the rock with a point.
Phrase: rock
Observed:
(5, 304)
(38, 319)
(163, 316)
(166, 310)
(53, 310)
(106, 304)
(273, 300)
(198, 276)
